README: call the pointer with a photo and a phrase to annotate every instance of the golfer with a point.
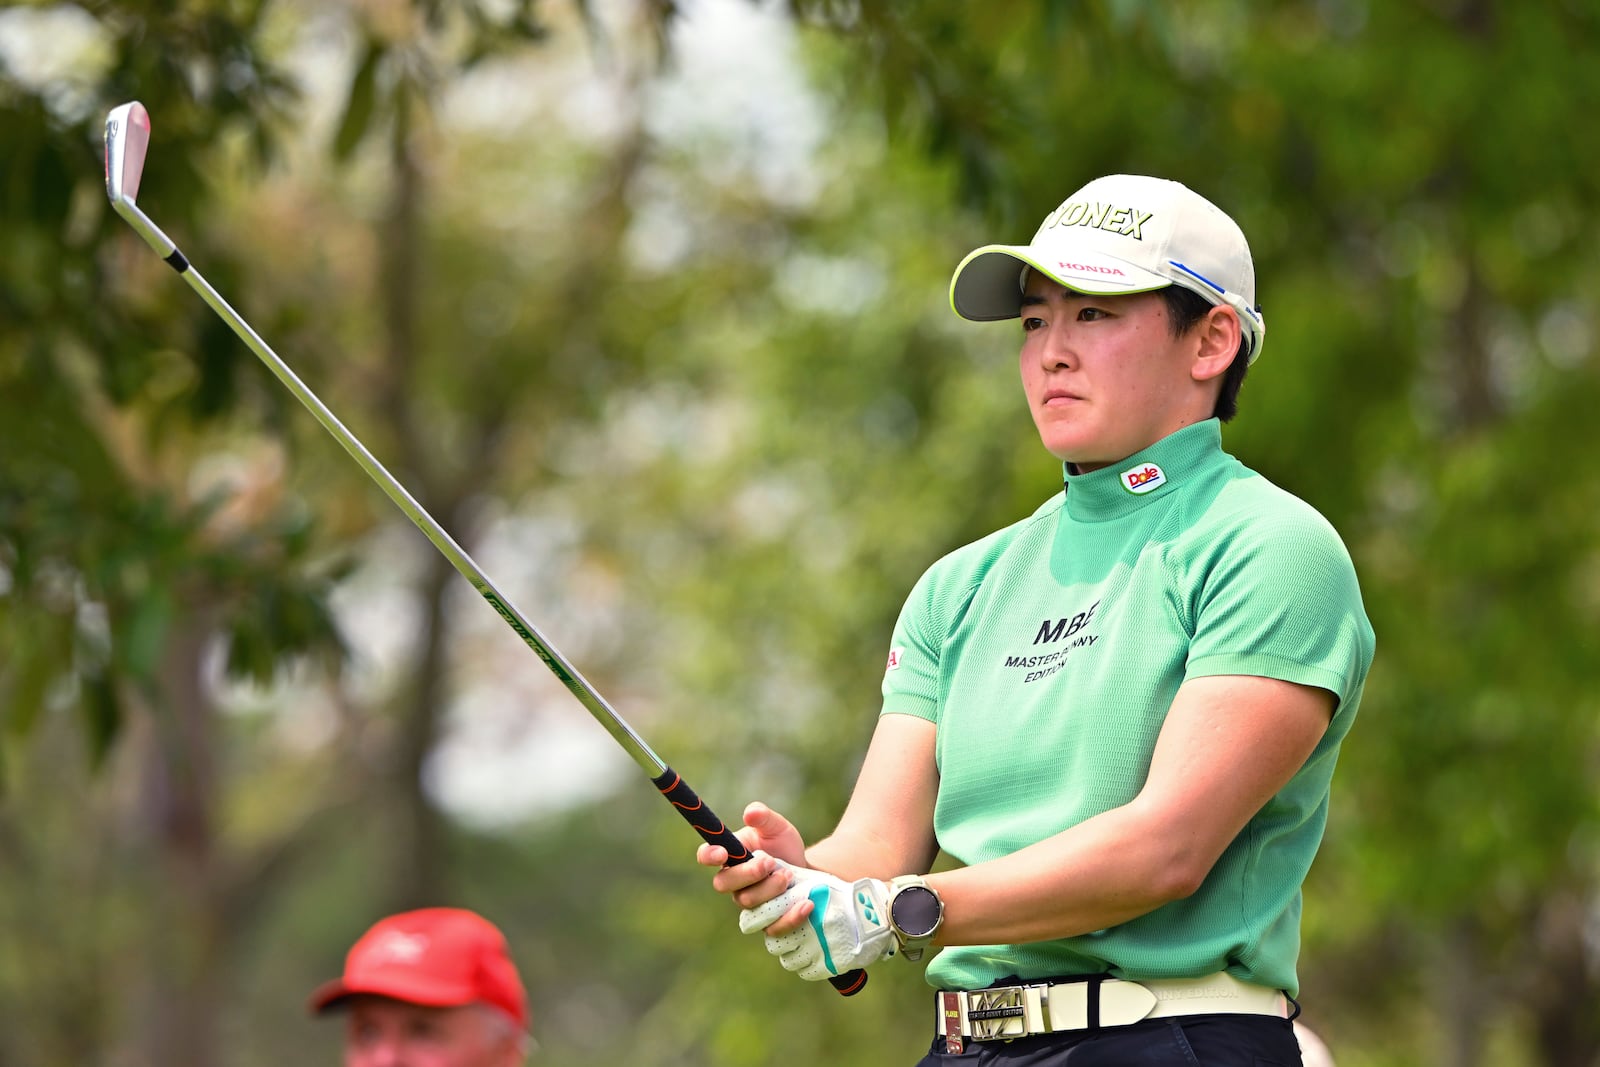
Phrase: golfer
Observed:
(1119, 715)
(430, 988)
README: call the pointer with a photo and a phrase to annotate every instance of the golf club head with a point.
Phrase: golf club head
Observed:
(127, 138)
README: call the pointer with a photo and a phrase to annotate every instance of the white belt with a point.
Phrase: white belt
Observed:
(1005, 1012)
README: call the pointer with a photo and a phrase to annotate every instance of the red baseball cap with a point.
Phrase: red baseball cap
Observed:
(438, 957)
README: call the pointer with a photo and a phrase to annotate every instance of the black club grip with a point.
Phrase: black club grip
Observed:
(716, 832)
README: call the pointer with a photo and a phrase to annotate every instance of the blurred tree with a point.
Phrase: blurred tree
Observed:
(118, 567)
(412, 53)
(139, 529)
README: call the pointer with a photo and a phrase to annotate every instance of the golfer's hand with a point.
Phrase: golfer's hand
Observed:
(822, 926)
(774, 844)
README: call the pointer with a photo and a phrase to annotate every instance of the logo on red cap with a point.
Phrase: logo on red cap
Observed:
(394, 946)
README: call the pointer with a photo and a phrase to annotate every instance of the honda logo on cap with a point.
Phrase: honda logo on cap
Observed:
(1090, 268)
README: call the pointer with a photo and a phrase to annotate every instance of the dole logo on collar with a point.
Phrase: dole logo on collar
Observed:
(1143, 478)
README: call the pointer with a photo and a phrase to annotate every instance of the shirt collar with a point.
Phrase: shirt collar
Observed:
(1149, 474)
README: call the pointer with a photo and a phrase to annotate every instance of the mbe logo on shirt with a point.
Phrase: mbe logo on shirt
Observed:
(1054, 631)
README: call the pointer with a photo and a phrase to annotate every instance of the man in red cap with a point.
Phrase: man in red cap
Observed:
(430, 988)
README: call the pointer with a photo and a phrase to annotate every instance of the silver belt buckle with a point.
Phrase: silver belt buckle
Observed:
(998, 1014)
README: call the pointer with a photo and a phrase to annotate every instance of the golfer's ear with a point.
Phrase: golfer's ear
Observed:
(1218, 335)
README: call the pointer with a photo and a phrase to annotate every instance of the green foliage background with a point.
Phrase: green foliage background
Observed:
(678, 361)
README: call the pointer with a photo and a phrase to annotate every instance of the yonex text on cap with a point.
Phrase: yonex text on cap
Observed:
(438, 957)
(1124, 233)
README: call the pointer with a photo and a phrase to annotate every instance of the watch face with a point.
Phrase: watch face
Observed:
(915, 911)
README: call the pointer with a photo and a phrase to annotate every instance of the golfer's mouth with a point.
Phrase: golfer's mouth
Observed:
(1059, 398)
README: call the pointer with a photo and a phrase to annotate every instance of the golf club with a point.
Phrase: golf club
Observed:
(127, 141)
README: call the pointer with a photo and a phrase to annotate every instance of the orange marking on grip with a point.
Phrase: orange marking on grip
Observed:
(861, 980)
(720, 829)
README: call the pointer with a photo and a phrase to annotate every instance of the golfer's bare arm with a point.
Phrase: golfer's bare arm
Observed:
(887, 828)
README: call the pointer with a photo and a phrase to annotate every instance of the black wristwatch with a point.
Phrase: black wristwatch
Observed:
(915, 912)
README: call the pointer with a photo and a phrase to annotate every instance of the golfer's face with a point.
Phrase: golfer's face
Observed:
(1103, 375)
(390, 1033)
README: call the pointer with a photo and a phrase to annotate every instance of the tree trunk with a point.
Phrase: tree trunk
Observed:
(187, 938)
(1462, 998)
(417, 861)
(1565, 987)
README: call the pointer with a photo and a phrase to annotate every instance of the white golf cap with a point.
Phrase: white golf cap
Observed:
(1124, 233)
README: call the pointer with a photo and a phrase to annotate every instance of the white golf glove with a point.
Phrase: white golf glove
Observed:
(848, 927)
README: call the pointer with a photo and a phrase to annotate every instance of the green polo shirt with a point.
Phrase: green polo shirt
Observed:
(1048, 653)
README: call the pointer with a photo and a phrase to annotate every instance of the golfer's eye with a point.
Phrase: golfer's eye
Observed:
(1091, 314)
(1031, 323)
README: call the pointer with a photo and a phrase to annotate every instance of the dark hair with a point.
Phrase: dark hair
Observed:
(1185, 307)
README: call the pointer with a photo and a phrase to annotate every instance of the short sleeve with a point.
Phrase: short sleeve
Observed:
(911, 676)
(1278, 598)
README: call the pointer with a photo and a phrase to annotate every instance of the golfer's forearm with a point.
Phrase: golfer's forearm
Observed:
(856, 854)
(887, 828)
(1098, 874)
